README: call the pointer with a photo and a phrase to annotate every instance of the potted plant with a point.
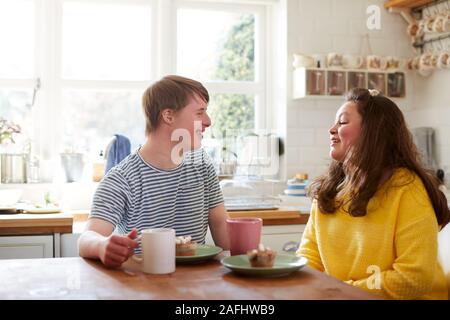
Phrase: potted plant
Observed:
(8, 130)
(12, 165)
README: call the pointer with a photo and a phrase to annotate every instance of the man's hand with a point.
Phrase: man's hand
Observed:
(116, 249)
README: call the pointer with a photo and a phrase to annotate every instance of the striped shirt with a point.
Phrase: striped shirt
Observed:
(135, 194)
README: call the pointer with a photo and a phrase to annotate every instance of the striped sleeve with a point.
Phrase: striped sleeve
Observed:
(212, 184)
(111, 199)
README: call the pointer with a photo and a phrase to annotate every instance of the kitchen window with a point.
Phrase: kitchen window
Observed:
(106, 63)
(87, 63)
(223, 46)
(17, 62)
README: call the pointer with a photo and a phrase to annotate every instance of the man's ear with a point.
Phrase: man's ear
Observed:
(167, 116)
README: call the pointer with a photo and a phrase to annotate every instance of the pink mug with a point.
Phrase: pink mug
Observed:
(244, 233)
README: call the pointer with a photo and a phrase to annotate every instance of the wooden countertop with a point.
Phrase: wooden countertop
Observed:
(282, 216)
(77, 278)
(22, 224)
(31, 224)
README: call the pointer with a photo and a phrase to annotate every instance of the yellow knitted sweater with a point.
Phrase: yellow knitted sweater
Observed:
(391, 251)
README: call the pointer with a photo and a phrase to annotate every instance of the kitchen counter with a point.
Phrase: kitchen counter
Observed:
(281, 216)
(78, 278)
(73, 221)
(31, 224)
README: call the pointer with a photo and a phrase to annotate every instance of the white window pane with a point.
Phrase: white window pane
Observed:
(91, 118)
(106, 41)
(215, 45)
(17, 38)
(229, 113)
(15, 107)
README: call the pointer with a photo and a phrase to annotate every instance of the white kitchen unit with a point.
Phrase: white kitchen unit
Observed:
(276, 237)
(26, 247)
(69, 245)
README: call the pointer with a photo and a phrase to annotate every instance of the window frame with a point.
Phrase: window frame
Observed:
(61, 84)
(258, 87)
(47, 112)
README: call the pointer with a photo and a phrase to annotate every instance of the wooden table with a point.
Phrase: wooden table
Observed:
(77, 278)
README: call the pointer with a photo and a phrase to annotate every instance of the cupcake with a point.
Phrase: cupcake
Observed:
(185, 246)
(261, 257)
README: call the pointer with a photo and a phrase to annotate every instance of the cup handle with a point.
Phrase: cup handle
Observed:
(137, 259)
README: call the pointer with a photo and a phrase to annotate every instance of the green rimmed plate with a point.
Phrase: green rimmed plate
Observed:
(283, 265)
(203, 252)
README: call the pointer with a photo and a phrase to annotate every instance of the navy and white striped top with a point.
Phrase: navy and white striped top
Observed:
(136, 194)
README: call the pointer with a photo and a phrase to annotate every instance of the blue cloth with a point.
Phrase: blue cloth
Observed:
(119, 150)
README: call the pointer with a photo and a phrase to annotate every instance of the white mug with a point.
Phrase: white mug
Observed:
(425, 62)
(303, 61)
(375, 62)
(158, 251)
(394, 63)
(334, 60)
(352, 62)
(444, 60)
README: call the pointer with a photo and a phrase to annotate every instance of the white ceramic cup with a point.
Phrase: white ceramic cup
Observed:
(334, 60)
(158, 251)
(395, 63)
(440, 23)
(414, 30)
(425, 62)
(350, 61)
(303, 61)
(375, 62)
(444, 60)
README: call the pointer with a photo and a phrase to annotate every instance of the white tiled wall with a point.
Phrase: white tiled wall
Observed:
(320, 27)
(431, 108)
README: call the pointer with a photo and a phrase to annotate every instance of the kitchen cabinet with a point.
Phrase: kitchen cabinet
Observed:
(25, 236)
(69, 245)
(321, 83)
(276, 237)
(26, 247)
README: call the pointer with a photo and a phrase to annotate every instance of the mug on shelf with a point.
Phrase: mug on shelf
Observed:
(303, 61)
(375, 62)
(334, 60)
(350, 61)
(425, 62)
(441, 23)
(444, 60)
(394, 63)
(415, 30)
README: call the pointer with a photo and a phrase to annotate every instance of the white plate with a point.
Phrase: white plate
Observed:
(41, 210)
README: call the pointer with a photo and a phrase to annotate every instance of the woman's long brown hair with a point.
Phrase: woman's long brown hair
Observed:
(385, 144)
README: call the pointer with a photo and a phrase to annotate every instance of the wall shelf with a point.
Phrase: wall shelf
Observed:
(406, 3)
(332, 83)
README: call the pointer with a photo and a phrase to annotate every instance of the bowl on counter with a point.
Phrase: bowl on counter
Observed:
(9, 197)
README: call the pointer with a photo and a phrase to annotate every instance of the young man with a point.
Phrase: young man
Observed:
(169, 182)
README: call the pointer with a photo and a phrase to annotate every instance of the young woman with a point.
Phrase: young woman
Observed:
(376, 213)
